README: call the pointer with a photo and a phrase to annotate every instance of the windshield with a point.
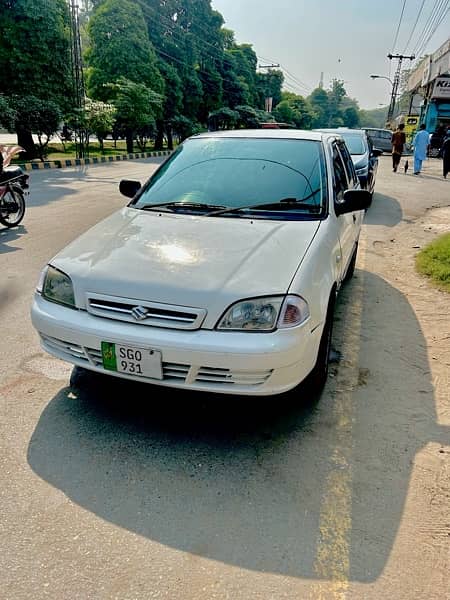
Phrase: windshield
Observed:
(240, 172)
(354, 143)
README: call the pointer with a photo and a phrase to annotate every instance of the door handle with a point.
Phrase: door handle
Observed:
(354, 218)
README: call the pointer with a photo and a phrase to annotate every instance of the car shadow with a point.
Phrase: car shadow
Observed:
(384, 210)
(241, 480)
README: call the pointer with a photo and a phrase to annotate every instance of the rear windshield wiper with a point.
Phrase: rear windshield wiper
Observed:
(175, 205)
(283, 204)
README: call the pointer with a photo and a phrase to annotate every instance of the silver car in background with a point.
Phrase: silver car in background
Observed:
(363, 153)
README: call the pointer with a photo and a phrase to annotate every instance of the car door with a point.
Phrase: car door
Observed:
(373, 166)
(346, 222)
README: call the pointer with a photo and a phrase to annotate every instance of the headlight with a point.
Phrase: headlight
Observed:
(265, 314)
(56, 286)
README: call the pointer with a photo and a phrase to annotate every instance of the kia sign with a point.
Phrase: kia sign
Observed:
(442, 88)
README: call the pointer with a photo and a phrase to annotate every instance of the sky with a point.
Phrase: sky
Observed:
(344, 39)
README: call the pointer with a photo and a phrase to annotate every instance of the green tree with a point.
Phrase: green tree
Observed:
(373, 118)
(172, 104)
(137, 108)
(120, 47)
(41, 117)
(284, 113)
(7, 114)
(184, 127)
(336, 95)
(269, 86)
(223, 118)
(351, 117)
(212, 92)
(248, 117)
(96, 118)
(35, 55)
(319, 103)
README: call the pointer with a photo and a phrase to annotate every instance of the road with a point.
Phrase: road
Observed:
(131, 491)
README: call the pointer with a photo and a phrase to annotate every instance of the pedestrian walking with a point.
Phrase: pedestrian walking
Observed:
(421, 143)
(398, 141)
(445, 152)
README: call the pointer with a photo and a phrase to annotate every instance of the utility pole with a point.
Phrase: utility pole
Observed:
(77, 72)
(268, 100)
(395, 85)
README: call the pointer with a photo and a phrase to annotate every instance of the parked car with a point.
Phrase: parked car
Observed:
(380, 138)
(221, 273)
(364, 155)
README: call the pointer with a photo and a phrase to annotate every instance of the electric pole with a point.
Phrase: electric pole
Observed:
(268, 102)
(396, 83)
(77, 72)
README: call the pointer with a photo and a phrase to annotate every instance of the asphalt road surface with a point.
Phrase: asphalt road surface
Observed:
(130, 491)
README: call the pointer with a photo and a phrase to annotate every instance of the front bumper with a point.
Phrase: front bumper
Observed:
(223, 362)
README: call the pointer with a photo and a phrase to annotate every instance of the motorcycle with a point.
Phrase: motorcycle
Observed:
(13, 188)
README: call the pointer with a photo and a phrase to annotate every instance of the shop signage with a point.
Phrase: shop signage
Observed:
(441, 88)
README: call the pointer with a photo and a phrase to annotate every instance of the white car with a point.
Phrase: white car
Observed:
(222, 272)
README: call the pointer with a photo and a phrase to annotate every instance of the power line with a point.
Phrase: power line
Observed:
(296, 80)
(436, 24)
(425, 30)
(414, 26)
(218, 54)
(399, 24)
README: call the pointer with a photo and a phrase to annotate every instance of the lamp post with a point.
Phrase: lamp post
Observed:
(393, 95)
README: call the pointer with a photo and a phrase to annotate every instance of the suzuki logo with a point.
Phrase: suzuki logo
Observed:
(139, 313)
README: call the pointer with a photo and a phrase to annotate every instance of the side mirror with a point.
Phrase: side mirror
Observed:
(129, 188)
(376, 152)
(353, 200)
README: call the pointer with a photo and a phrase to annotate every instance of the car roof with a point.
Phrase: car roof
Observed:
(343, 130)
(285, 134)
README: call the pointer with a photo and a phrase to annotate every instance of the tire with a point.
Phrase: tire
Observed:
(13, 200)
(318, 376)
(351, 267)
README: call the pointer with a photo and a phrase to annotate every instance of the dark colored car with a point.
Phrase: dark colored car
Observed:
(380, 138)
(363, 153)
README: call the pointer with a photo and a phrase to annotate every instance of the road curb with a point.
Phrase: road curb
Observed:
(77, 162)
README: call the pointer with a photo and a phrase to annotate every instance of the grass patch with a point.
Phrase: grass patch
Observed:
(434, 261)
(56, 151)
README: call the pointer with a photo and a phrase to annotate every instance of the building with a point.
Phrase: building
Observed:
(429, 89)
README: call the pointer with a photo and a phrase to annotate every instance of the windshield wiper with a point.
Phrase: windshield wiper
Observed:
(283, 204)
(188, 205)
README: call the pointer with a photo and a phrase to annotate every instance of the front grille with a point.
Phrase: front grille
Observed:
(176, 372)
(145, 313)
(230, 377)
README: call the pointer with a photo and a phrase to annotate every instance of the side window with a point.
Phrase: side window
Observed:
(348, 164)
(340, 179)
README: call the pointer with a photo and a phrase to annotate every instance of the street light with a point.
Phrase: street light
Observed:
(381, 77)
(393, 95)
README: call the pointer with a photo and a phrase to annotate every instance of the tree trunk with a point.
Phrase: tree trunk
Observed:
(169, 138)
(25, 139)
(159, 141)
(130, 142)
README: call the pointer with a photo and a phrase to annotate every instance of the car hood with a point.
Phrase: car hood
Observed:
(196, 261)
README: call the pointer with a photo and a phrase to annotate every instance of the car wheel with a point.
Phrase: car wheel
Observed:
(318, 376)
(351, 267)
